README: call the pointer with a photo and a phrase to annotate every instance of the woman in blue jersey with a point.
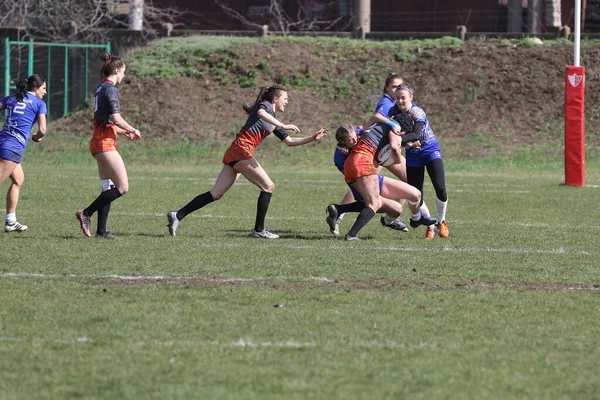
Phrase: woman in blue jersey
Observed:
(239, 158)
(23, 110)
(413, 119)
(382, 109)
(391, 190)
(108, 123)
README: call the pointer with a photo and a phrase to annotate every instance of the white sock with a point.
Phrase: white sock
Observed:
(425, 210)
(415, 217)
(441, 209)
(388, 220)
(11, 218)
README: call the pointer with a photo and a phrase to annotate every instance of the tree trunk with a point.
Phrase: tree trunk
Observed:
(136, 14)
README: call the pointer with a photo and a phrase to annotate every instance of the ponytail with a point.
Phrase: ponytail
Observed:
(21, 90)
(267, 93)
(35, 81)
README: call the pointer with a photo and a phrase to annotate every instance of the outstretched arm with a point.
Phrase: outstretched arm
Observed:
(265, 116)
(290, 141)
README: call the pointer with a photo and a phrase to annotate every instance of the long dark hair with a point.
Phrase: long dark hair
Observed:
(35, 81)
(111, 63)
(391, 76)
(267, 93)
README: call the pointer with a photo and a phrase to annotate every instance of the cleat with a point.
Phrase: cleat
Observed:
(15, 227)
(105, 235)
(428, 221)
(443, 229)
(352, 238)
(333, 219)
(396, 224)
(429, 233)
(84, 221)
(265, 234)
(173, 222)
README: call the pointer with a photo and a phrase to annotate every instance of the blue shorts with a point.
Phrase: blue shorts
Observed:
(423, 156)
(358, 196)
(10, 155)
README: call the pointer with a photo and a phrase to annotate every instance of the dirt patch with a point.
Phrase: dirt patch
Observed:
(512, 94)
(368, 284)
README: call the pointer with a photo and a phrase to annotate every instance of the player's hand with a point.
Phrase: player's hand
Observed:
(37, 137)
(133, 135)
(397, 130)
(291, 127)
(320, 133)
(414, 145)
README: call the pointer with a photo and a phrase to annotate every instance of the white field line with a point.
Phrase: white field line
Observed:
(313, 181)
(322, 219)
(239, 343)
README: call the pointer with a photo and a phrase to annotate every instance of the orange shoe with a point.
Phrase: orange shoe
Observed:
(443, 229)
(429, 233)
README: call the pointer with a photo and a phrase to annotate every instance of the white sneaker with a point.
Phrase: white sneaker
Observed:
(173, 222)
(16, 227)
(265, 234)
(352, 238)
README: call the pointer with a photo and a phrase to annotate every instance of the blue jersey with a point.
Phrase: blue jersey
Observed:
(386, 103)
(430, 148)
(20, 117)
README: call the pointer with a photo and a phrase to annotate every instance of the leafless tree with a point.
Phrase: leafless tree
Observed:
(305, 20)
(78, 20)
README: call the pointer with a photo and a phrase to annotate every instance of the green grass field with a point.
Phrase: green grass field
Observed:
(507, 307)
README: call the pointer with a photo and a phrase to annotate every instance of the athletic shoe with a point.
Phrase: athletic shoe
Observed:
(333, 219)
(352, 238)
(396, 224)
(443, 229)
(423, 221)
(429, 233)
(84, 221)
(265, 234)
(173, 222)
(15, 227)
(105, 235)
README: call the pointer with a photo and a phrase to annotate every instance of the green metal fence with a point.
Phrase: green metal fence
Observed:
(67, 68)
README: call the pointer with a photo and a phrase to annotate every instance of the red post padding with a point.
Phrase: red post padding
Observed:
(575, 126)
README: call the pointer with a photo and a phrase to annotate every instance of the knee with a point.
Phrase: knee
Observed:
(17, 181)
(414, 196)
(269, 187)
(123, 189)
(217, 196)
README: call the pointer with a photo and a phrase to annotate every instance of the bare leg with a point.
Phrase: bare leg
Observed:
(12, 196)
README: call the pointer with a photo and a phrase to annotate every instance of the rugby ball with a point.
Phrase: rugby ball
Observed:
(384, 156)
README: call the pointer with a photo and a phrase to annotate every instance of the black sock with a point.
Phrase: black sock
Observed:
(363, 218)
(261, 210)
(197, 203)
(102, 218)
(356, 206)
(105, 198)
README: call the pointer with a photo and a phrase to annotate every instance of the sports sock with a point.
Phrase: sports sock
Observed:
(102, 219)
(441, 209)
(197, 203)
(11, 218)
(264, 198)
(366, 214)
(106, 184)
(355, 206)
(105, 197)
